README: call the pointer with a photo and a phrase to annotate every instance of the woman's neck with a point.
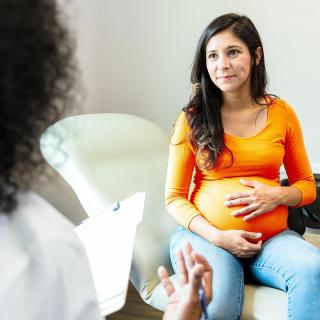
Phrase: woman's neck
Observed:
(235, 101)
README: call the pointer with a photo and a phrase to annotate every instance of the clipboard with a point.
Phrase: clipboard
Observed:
(108, 239)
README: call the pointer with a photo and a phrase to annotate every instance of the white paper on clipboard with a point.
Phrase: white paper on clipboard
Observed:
(108, 238)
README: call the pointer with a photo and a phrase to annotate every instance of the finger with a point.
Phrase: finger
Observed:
(259, 244)
(182, 268)
(207, 276)
(253, 248)
(164, 278)
(247, 256)
(188, 247)
(250, 183)
(250, 208)
(240, 194)
(188, 258)
(253, 215)
(251, 235)
(196, 274)
(250, 252)
(198, 258)
(239, 201)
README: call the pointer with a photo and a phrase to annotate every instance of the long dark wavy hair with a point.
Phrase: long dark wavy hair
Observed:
(203, 111)
(37, 75)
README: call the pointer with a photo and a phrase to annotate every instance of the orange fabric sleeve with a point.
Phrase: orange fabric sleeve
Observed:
(179, 174)
(296, 160)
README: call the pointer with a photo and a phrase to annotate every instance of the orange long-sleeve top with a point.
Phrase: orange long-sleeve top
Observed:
(254, 158)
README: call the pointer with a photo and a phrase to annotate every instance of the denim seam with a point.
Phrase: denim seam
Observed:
(281, 278)
(239, 311)
(274, 272)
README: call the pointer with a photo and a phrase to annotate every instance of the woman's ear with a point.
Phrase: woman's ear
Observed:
(258, 54)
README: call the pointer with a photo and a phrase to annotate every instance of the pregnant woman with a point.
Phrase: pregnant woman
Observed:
(234, 137)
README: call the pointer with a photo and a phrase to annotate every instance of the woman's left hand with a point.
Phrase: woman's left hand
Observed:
(260, 199)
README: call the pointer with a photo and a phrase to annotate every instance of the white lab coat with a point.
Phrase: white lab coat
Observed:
(44, 271)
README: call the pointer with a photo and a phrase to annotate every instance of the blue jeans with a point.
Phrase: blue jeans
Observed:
(286, 262)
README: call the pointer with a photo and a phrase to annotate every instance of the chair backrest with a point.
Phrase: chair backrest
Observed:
(108, 157)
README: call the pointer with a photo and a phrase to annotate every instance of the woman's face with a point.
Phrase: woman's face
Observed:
(228, 62)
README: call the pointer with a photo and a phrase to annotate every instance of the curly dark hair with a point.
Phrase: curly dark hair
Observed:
(37, 75)
(203, 110)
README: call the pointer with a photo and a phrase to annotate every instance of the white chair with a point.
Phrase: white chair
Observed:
(107, 157)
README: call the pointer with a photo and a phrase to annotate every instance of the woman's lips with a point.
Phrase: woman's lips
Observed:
(225, 77)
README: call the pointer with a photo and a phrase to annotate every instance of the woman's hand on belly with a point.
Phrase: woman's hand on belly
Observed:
(260, 199)
(236, 242)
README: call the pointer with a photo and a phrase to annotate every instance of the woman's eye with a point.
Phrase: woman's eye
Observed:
(212, 55)
(233, 52)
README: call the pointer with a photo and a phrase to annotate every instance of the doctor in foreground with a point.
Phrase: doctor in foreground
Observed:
(44, 272)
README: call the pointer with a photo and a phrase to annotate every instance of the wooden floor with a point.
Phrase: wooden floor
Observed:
(137, 309)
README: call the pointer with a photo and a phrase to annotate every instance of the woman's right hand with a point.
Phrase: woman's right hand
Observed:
(235, 241)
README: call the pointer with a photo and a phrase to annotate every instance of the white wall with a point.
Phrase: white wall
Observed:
(136, 55)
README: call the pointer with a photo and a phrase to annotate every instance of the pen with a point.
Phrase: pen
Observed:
(116, 206)
(203, 303)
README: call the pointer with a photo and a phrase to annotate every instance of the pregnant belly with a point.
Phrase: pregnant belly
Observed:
(210, 198)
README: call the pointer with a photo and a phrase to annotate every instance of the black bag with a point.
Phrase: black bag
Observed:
(307, 216)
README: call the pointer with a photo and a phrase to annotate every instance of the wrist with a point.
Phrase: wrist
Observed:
(216, 237)
(288, 196)
(183, 310)
(281, 195)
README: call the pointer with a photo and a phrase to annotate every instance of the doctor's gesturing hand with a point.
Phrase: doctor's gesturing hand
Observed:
(261, 198)
(184, 303)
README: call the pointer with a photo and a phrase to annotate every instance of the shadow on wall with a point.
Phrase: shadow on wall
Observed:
(56, 191)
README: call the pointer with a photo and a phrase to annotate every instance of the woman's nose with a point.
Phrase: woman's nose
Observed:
(223, 62)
